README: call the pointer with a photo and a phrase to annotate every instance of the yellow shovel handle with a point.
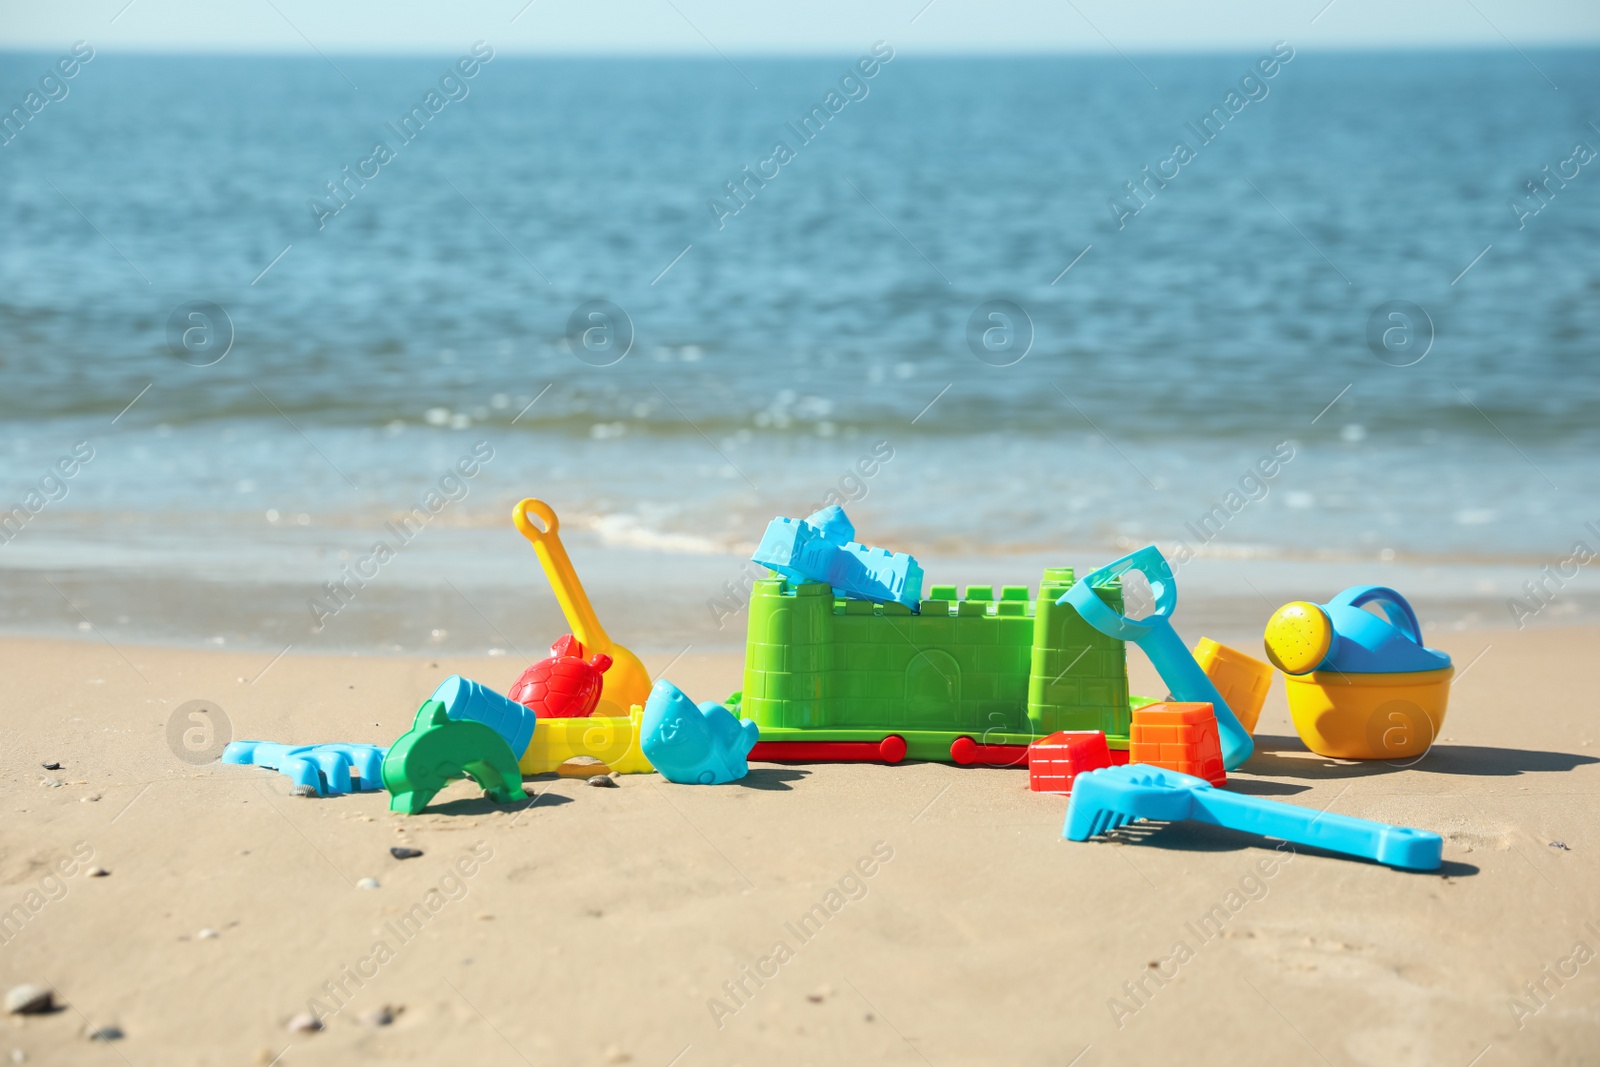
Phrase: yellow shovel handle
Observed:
(558, 569)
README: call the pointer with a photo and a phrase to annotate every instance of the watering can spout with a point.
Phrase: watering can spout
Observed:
(1340, 636)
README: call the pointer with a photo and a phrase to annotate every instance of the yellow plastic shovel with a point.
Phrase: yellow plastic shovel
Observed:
(627, 682)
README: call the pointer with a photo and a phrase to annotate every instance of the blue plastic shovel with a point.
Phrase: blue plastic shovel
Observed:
(1155, 635)
(1106, 799)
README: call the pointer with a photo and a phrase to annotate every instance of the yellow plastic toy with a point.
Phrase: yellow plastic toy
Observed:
(627, 682)
(1360, 687)
(611, 739)
(1242, 680)
(1369, 716)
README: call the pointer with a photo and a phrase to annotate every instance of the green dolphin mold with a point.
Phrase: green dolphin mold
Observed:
(437, 750)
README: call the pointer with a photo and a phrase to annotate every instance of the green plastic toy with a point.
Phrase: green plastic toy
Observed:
(1001, 672)
(437, 750)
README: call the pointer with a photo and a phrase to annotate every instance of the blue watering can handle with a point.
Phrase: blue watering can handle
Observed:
(1400, 614)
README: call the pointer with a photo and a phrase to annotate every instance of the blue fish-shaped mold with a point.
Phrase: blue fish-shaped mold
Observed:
(690, 745)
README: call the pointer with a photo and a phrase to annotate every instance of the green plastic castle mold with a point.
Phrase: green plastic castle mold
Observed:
(1001, 671)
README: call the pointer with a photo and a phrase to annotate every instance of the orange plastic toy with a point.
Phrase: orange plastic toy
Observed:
(1179, 737)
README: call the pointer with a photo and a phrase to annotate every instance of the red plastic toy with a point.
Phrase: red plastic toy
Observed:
(891, 749)
(1054, 761)
(967, 752)
(563, 686)
(1180, 737)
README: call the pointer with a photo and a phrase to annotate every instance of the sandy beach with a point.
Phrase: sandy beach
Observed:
(393, 325)
(849, 914)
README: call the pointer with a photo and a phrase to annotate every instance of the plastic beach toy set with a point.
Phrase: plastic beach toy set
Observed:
(846, 659)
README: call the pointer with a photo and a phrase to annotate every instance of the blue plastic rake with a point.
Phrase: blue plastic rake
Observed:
(330, 769)
(1106, 799)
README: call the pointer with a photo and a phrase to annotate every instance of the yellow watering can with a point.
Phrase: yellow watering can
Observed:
(627, 682)
(1360, 687)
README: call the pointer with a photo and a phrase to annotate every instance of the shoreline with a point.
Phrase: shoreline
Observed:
(465, 592)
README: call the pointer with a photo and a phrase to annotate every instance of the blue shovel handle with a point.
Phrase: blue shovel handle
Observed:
(1155, 635)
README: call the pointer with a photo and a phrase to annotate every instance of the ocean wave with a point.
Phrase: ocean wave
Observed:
(629, 531)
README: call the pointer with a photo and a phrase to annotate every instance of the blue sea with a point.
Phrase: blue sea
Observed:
(1347, 332)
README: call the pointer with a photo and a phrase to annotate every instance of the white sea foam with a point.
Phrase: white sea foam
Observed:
(622, 530)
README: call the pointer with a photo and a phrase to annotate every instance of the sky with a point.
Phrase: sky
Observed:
(707, 27)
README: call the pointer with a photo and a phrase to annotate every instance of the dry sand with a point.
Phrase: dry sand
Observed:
(602, 922)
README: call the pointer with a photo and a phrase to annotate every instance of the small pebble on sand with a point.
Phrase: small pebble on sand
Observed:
(90, 799)
(30, 999)
(304, 1023)
(208, 934)
(51, 766)
(367, 883)
(405, 853)
(98, 872)
(379, 1016)
(103, 1033)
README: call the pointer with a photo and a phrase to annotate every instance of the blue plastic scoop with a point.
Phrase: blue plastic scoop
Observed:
(1155, 635)
(1106, 799)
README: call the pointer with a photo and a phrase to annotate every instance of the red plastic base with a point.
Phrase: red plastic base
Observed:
(891, 749)
(966, 751)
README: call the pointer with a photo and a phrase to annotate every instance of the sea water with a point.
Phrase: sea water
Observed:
(1346, 333)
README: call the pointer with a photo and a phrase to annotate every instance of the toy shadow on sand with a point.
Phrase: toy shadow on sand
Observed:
(773, 779)
(1202, 837)
(1265, 787)
(484, 805)
(1286, 757)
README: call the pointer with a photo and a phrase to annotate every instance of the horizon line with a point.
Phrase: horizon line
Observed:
(246, 49)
